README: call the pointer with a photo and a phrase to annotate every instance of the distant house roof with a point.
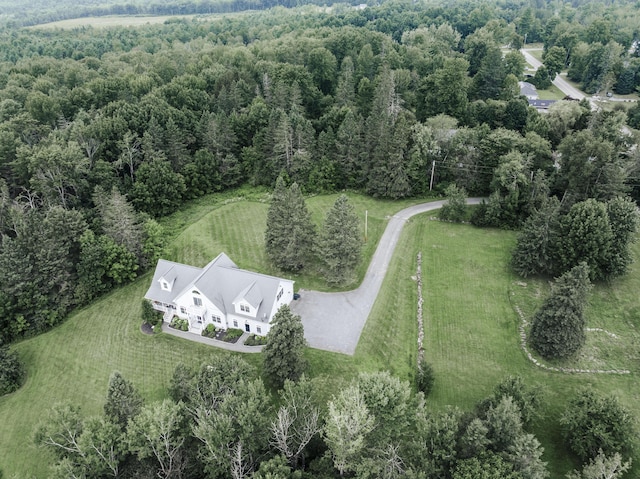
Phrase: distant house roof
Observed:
(541, 104)
(221, 281)
(528, 89)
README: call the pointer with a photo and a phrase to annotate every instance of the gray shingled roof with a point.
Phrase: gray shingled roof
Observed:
(528, 89)
(222, 282)
(541, 103)
(251, 294)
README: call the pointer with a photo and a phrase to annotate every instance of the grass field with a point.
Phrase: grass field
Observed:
(551, 93)
(110, 21)
(471, 328)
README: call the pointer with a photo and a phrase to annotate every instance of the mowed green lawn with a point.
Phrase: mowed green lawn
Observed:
(471, 328)
(73, 362)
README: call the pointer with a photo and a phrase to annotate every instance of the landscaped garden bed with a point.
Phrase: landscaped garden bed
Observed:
(230, 335)
(179, 324)
(210, 331)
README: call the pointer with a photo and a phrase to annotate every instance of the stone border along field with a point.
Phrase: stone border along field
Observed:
(523, 344)
(420, 304)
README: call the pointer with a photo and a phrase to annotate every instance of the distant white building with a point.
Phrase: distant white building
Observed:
(528, 89)
(220, 294)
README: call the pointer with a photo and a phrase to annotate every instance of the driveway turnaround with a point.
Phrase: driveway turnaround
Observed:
(334, 321)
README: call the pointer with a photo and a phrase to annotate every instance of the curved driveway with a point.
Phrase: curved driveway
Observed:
(334, 321)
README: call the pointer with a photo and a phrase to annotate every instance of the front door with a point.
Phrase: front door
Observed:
(247, 328)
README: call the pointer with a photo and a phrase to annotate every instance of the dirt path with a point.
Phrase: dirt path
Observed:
(334, 321)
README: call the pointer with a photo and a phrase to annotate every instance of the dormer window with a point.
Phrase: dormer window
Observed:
(244, 308)
(197, 300)
(164, 285)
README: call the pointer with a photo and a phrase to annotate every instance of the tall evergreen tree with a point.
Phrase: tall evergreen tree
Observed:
(11, 370)
(119, 220)
(350, 148)
(290, 233)
(538, 243)
(339, 243)
(623, 219)
(587, 236)
(284, 352)
(123, 400)
(558, 328)
(275, 238)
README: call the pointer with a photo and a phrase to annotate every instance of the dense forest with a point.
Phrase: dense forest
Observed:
(104, 131)
(218, 424)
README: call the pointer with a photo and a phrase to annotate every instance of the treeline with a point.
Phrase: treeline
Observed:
(219, 422)
(130, 123)
(25, 14)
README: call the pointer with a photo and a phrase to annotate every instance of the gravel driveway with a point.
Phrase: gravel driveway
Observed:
(334, 321)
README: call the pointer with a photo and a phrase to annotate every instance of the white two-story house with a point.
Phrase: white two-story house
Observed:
(220, 294)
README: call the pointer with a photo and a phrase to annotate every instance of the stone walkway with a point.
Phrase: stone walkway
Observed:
(238, 346)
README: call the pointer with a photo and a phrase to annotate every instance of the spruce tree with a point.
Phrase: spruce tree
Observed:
(276, 232)
(284, 352)
(623, 219)
(587, 236)
(539, 241)
(123, 400)
(340, 244)
(290, 233)
(558, 328)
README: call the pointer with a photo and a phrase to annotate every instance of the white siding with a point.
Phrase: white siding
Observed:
(287, 296)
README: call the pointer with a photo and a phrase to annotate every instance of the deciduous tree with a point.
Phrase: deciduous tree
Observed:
(455, 208)
(297, 421)
(347, 426)
(159, 432)
(602, 467)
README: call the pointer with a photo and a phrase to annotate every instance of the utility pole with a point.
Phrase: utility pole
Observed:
(433, 169)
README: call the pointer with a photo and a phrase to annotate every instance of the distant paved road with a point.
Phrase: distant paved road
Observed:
(334, 321)
(560, 82)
